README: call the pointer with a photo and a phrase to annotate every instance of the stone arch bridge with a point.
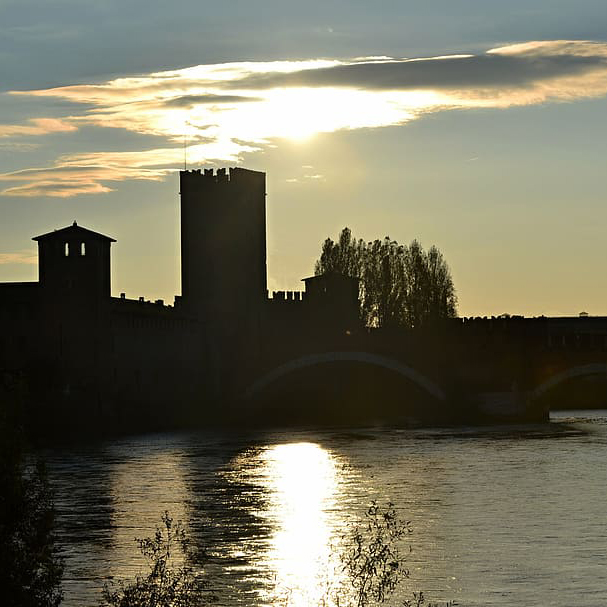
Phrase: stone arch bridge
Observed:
(466, 370)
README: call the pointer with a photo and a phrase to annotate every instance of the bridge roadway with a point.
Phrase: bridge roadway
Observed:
(469, 369)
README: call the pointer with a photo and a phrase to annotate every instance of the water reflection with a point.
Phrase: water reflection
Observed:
(302, 481)
(497, 514)
(142, 488)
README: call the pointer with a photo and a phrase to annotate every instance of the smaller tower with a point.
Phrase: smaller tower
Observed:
(74, 278)
(74, 263)
(333, 300)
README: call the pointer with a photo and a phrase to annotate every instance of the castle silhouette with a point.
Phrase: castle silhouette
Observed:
(84, 352)
(227, 351)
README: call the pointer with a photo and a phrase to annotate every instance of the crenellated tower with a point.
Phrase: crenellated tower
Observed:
(223, 243)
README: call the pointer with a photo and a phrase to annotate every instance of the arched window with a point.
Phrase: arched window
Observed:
(67, 249)
(82, 249)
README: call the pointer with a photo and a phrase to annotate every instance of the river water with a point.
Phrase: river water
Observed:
(498, 516)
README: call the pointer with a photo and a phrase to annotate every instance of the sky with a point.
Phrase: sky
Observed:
(475, 125)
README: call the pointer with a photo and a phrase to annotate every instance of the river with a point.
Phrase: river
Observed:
(498, 516)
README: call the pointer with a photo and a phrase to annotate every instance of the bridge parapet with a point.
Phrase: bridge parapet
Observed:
(495, 364)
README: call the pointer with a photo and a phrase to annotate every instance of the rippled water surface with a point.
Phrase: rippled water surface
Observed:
(504, 517)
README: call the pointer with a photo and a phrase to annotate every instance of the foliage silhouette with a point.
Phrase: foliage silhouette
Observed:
(373, 562)
(167, 583)
(419, 600)
(30, 566)
(399, 285)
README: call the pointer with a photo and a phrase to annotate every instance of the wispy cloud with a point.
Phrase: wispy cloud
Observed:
(14, 146)
(37, 126)
(189, 101)
(224, 110)
(307, 177)
(18, 257)
(90, 173)
(520, 65)
(64, 179)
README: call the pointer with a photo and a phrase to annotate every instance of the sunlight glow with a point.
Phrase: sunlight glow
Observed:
(222, 111)
(303, 482)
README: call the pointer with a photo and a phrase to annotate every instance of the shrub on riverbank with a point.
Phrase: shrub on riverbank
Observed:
(372, 561)
(30, 567)
(170, 580)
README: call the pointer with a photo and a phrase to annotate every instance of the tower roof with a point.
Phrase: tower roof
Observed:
(74, 231)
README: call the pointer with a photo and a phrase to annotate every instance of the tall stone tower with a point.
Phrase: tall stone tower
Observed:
(223, 245)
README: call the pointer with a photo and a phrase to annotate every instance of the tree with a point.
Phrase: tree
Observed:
(167, 582)
(400, 285)
(30, 566)
(345, 256)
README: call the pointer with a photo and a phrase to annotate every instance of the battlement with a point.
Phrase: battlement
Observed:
(140, 303)
(222, 175)
(207, 177)
(287, 296)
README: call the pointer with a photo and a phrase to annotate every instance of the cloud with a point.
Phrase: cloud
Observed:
(19, 257)
(89, 173)
(312, 177)
(518, 65)
(13, 146)
(307, 175)
(56, 189)
(159, 86)
(37, 126)
(68, 179)
(222, 111)
(187, 101)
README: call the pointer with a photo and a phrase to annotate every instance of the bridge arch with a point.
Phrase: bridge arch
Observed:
(571, 373)
(332, 357)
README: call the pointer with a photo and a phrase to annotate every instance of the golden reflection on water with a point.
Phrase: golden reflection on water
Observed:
(301, 496)
(303, 485)
(142, 489)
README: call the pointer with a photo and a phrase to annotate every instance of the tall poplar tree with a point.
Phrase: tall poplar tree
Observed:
(400, 285)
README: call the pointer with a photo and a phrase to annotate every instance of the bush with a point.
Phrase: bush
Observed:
(167, 583)
(30, 566)
(373, 562)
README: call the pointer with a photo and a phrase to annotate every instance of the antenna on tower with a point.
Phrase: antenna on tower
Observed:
(185, 146)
